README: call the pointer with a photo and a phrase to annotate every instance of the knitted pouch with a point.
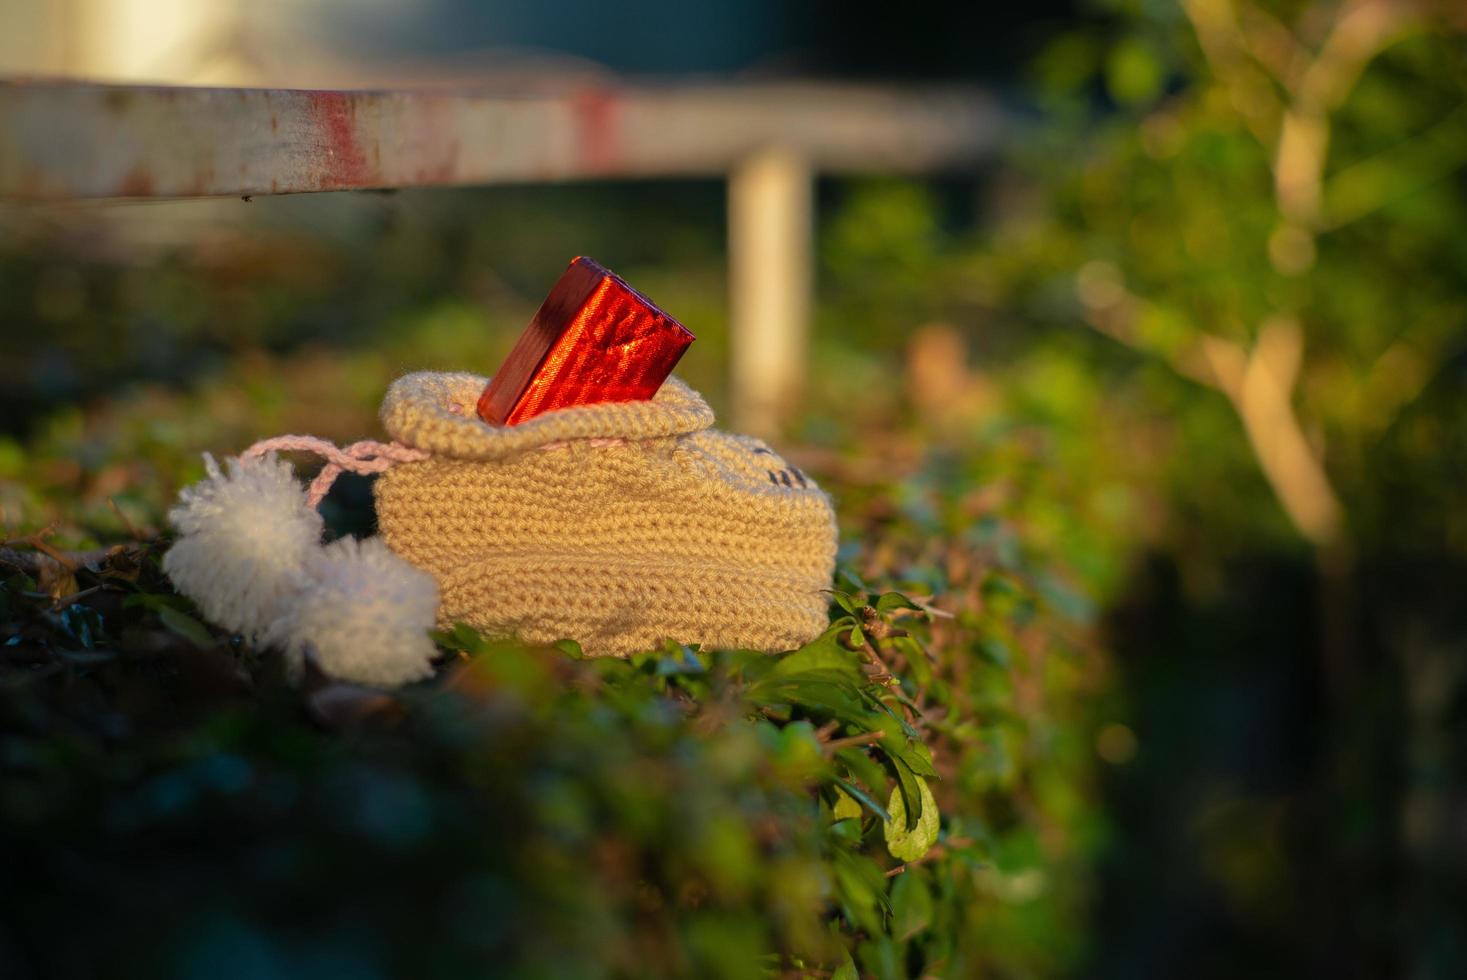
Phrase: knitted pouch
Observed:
(615, 525)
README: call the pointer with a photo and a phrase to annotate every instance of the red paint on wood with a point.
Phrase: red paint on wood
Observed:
(596, 112)
(137, 183)
(344, 164)
(167, 142)
(204, 179)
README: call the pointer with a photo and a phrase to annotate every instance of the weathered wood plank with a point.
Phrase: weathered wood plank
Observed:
(67, 140)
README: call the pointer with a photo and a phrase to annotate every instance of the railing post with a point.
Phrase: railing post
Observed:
(770, 218)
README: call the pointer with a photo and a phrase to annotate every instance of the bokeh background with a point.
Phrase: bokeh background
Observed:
(1194, 344)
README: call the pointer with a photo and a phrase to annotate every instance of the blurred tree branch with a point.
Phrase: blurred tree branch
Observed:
(1285, 92)
(1259, 383)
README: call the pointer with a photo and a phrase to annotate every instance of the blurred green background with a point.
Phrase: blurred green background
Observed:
(1168, 407)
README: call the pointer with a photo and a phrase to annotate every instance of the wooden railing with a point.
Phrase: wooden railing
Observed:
(72, 140)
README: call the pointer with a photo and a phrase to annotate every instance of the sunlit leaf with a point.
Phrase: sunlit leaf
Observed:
(889, 601)
(907, 841)
(846, 807)
(909, 786)
(915, 755)
(823, 654)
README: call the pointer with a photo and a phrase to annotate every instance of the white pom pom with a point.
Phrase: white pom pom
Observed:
(247, 537)
(250, 554)
(365, 615)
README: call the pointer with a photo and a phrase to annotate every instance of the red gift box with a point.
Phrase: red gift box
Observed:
(594, 339)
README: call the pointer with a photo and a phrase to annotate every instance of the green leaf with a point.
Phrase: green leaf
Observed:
(888, 601)
(20, 582)
(911, 905)
(909, 843)
(818, 695)
(891, 722)
(461, 637)
(855, 792)
(860, 888)
(996, 652)
(186, 626)
(1066, 63)
(822, 654)
(917, 756)
(847, 968)
(1132, 72)
(862, 766)
(919, 665)
(908, 784)
(469, 639)
(156, 600)
(846, 807)
(881, 958)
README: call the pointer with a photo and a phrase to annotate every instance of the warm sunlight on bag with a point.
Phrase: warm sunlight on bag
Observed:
(615, 525)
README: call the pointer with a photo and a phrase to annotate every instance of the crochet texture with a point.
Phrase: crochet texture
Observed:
(618, 526)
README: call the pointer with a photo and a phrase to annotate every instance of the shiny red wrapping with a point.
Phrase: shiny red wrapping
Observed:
(614, 345)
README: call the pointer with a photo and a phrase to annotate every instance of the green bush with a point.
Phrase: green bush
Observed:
(530, 812)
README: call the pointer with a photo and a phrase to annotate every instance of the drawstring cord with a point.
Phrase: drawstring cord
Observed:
(365, 457)
(362, 457)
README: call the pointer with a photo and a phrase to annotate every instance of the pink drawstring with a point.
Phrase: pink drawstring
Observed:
(363, 457)
(360, 457)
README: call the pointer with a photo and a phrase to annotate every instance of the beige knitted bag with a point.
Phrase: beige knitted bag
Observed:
(616, 525)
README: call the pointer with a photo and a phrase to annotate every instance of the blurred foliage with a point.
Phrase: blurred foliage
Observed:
(188, 289)
(527, 813)
(531, 813)
(1224, 275)
(1291, 211)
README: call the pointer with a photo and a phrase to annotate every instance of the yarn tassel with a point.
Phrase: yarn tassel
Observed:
(365, 617)
(250, 556)
(246, 534)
